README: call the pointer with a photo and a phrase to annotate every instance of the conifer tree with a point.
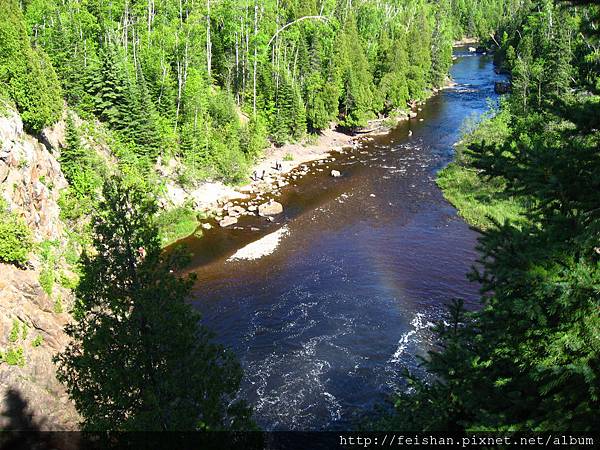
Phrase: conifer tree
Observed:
(110, 89)
(139, 359)
(529, 360)
(72, 156)
(355, 78)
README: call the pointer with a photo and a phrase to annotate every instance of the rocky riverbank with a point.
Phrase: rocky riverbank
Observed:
(281, 166)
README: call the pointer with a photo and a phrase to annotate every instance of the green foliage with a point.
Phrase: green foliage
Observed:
(38, 341)
(481, 201)
(26, 73)
(137, 344)
(58, 305)
(68, 282)
(17, 241)
(13, 357)
(14, 331)
(47, 280)
(355, 78)
(167, 85)
(528, 359)
(176, 224)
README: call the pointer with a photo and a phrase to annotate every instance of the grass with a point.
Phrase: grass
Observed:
(480, 202)
(176, 224)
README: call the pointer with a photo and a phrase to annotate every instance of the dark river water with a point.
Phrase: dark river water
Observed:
(325, 324)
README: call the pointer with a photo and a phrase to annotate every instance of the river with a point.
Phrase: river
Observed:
(325, 324)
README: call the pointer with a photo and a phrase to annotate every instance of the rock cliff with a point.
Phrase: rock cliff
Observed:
(31, 323)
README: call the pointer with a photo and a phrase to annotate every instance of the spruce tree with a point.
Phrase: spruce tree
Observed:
(529, 359)
(139, 359)
(110, 88)
(355, 78)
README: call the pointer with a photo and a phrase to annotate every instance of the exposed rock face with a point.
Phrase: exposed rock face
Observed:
(30, 178)
(270, 208)
(23, 302)
(30, 183)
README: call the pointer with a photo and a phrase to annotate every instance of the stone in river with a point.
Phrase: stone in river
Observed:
(270, 208)
(236, 210)
(206, 226)
(336, 173)
(228, 221)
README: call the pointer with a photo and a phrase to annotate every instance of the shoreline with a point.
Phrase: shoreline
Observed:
(223, 204)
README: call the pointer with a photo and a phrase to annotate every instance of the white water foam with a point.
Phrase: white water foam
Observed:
(262, 247)
(418, 324)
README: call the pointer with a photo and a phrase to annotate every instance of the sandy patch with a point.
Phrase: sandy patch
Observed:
(262, 247)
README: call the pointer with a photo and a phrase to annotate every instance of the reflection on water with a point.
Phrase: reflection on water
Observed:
(325, 323)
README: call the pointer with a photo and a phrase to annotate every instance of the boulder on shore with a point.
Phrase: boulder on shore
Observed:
(236, 210)
(270, 208)
(227, 221)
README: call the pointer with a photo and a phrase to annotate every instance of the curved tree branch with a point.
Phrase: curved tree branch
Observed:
(324, 18)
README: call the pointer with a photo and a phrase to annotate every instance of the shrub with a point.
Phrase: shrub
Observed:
(16, 240)
(37, 341)
(14, 332)
(47, 280)
(13, 357)
(67, 281)
(58, 306)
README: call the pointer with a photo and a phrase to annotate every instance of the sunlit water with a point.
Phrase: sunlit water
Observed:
(325, 324)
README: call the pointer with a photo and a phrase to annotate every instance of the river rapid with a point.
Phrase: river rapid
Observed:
(325, 324)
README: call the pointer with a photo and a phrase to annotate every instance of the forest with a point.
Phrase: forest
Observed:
(214, 83)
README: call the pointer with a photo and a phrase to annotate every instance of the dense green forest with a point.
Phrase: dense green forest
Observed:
(211, 83)
(208, 82)
(529, 359)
